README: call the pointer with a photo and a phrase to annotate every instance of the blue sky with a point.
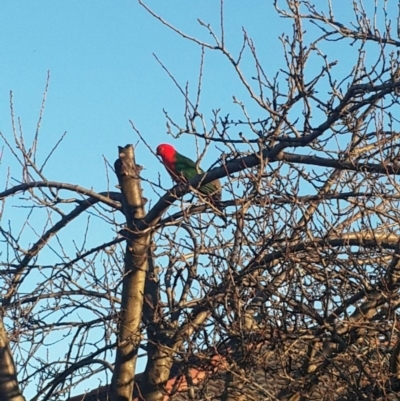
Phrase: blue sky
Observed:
(103, 74)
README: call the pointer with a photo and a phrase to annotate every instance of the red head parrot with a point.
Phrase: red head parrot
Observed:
(182, 169)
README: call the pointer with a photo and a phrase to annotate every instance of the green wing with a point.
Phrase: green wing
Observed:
(187, 168)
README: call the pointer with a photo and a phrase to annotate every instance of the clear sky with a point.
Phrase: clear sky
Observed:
(103, 74)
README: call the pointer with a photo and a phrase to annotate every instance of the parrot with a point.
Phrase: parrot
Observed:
(182, 169)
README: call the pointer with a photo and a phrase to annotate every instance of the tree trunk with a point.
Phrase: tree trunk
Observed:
(136, 266)
(9, 389)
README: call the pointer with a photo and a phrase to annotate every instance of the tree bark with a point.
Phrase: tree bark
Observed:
(9, 388)
(136, 266)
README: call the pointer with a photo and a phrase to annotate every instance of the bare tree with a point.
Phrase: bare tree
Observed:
(294, 296)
